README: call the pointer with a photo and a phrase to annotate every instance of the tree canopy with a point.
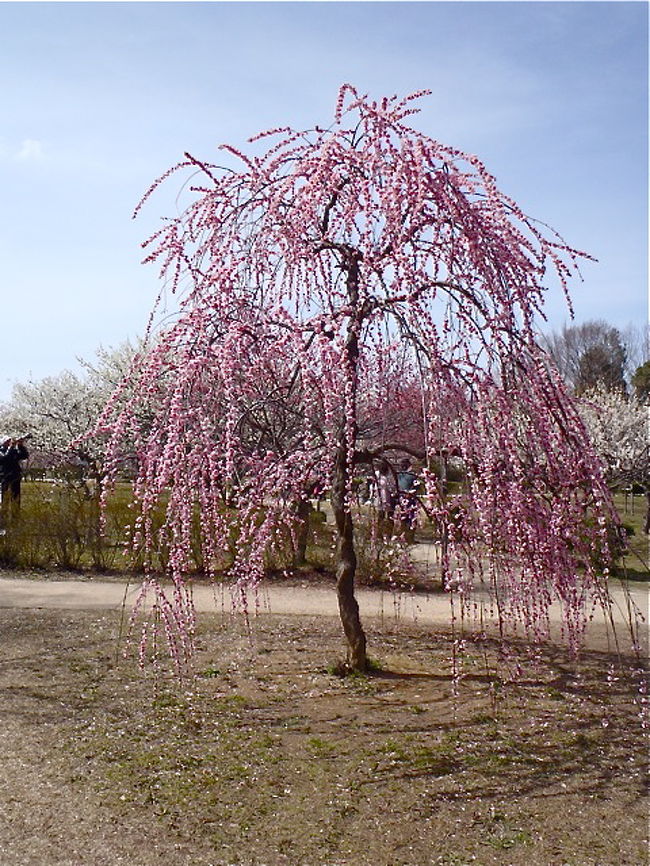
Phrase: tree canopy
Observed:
(590, 355)
(618, 427)
(356, 293)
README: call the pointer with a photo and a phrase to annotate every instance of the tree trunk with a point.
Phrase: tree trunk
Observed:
(304, 509)
(346, 569)
(346, 554)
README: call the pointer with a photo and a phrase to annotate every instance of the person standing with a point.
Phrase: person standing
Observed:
(12, 454)
(386, 495)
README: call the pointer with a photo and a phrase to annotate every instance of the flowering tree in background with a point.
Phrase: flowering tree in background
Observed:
(619, 427)
(58, 410)
(343, 280)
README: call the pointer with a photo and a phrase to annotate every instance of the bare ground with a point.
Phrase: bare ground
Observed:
(268, 757)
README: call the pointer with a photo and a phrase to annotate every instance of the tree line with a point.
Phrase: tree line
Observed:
(605, 367)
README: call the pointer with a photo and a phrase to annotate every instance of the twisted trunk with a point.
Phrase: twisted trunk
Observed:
(346, 554)
(346, 567)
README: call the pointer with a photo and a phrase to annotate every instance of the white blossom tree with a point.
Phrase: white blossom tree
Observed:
(57, 411)
(619, 427)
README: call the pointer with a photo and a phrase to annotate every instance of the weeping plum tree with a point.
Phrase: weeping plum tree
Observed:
(348, 294)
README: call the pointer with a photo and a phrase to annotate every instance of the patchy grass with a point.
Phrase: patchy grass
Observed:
(268, 758)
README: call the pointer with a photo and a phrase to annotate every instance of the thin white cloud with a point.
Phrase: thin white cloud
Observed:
(31, 150)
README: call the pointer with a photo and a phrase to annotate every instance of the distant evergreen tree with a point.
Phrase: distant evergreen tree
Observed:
(641, 382)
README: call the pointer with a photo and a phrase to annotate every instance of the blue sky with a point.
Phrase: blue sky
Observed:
(97, 99)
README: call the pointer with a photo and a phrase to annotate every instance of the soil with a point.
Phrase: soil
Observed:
(504, 757)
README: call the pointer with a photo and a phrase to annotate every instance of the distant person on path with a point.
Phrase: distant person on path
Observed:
(385, 494)
(407, 482)
(406, 479)
(12, 454)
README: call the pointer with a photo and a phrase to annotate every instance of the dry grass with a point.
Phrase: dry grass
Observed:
(268, 758)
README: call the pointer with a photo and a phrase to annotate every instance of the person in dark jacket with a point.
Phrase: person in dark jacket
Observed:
(12, 454)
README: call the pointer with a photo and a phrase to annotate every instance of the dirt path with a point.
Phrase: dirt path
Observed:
(298, 599)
